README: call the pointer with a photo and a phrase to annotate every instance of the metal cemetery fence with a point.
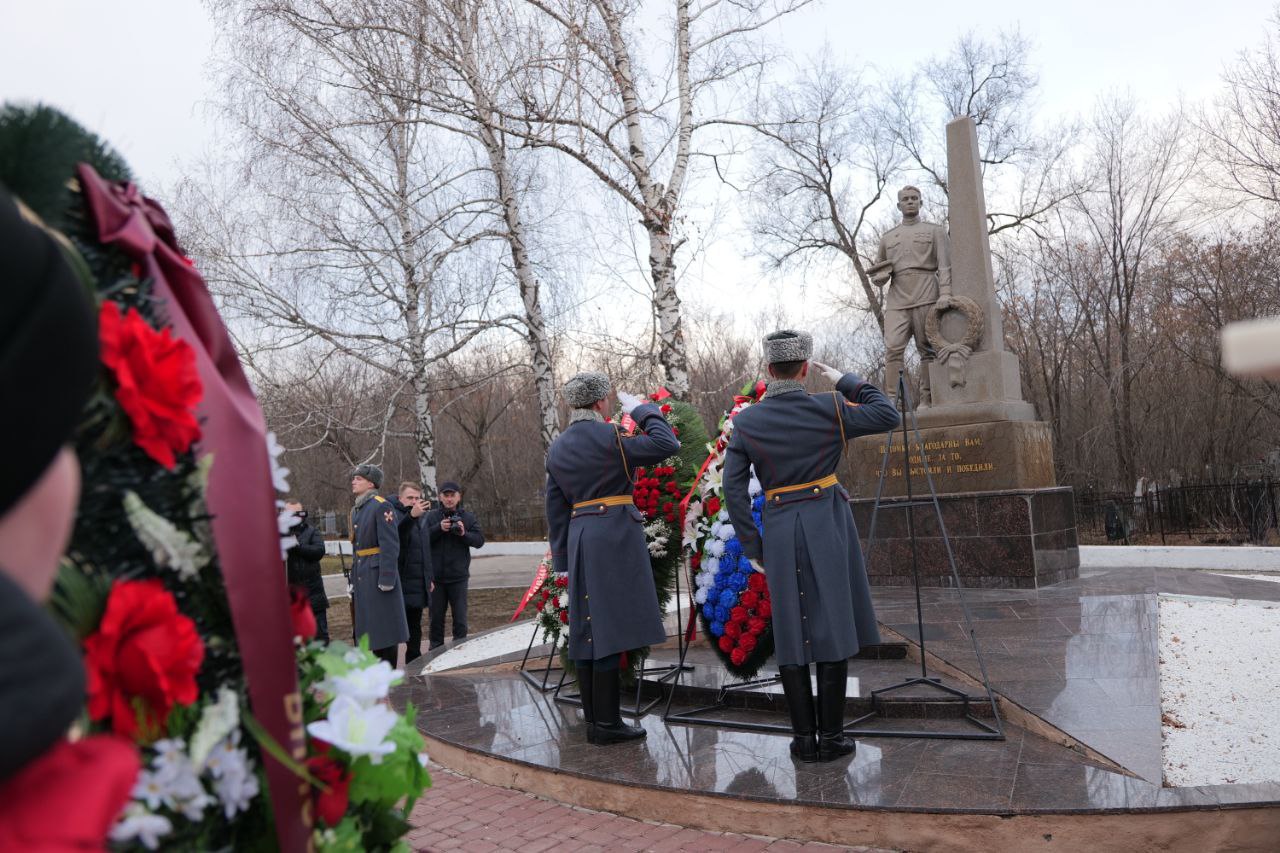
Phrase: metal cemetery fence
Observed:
(1217, 512)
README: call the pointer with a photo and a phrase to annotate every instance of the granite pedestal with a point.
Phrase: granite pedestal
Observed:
(1015, 539)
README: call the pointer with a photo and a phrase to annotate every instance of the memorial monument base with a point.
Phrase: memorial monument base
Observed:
(973, 457)
(1012, 539)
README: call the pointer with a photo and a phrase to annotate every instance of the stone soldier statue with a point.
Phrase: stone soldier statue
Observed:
(914, 259)
(375, 574)
(597, 536)
(822, 610)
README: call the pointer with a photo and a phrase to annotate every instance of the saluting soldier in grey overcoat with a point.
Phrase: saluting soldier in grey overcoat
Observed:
(822, 611)
(597, 536)
(375, 575)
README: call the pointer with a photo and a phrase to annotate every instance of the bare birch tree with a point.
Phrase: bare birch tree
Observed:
(1244, 128)
(353, 223)
(631, 123)
(470, 48)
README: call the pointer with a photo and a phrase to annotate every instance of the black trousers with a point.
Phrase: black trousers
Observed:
(414, 648)
(452, 595)
(322, 623)
(388, 654)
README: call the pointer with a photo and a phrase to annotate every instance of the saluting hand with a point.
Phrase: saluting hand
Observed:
(628, 401)
(828, 371)
(756, 565)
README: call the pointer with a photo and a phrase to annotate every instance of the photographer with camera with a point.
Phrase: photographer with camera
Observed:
(303, 566)
(454, 532)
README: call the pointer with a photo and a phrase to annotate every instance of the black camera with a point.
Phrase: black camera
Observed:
(455, 519)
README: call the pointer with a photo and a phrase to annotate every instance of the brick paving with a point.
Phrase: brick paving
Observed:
(458, 813)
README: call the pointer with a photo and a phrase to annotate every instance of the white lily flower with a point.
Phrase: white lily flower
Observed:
(366, 685)
(217, 721)
(356, 729)
(142, 826)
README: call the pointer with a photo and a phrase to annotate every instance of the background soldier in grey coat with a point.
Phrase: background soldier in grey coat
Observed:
(822, 608)
(375, 577)
(597, 536)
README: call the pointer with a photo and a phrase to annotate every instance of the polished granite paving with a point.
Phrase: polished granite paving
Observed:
(1081, 654)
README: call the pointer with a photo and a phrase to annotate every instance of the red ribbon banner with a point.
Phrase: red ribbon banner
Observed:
(538, 578)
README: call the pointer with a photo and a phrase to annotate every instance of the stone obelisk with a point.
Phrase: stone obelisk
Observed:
(988, 455)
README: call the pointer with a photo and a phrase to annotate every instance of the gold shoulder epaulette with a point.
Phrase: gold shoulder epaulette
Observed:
(380, 499)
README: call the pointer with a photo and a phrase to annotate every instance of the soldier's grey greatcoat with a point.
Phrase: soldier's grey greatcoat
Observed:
(376, 539)
(613, 605)
(817, 581)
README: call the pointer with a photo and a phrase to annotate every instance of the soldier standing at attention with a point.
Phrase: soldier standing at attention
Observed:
(822, 611)
(375, 575)
(597, 537)
(914, 258)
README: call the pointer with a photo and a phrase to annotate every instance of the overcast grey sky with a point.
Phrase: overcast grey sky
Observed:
(134, 70)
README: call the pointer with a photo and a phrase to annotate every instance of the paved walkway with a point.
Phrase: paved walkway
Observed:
(486, 573)
(458, 813)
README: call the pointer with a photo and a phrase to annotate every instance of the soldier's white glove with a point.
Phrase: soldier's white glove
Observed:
(628, 401)
(828, 371)
(385, 588)
(755, 565)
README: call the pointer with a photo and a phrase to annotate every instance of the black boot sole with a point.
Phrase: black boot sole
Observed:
(601, 736)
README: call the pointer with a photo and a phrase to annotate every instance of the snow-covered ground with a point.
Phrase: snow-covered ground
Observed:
(1219, 690)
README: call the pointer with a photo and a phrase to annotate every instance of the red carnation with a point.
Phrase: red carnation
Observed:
(695, 561)
(733, 629)
(738, 656)
(564, 616)
(562, 581)
(712, 505)
(540, 604)
(750, 598)
(639, 472)
(331, 804)
(764, 609)
(757, 582)
(156, 382)
(738, 614)
(301, 616)
(747, 642)
(726, 643)
(756, 625)
(142, 660)
(665, 408)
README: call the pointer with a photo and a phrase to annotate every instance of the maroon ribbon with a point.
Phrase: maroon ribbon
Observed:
(241, 496)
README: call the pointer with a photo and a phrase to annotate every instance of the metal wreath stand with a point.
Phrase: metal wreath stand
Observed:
(540, 678)
(984, 730)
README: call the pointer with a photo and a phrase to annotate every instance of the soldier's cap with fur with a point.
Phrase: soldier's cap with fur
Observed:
(787, 345)
(372, 473)
(586, 389)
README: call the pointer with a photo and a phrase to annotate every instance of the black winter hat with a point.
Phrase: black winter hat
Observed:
(48, 350)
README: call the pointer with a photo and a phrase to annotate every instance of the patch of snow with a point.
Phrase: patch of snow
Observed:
(1219, 690)
(1272, 578)
(515, 638)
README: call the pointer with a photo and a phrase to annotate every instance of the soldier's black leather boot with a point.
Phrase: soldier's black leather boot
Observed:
(585, 683)
(799, 693)
(606, 696)
(832, 744)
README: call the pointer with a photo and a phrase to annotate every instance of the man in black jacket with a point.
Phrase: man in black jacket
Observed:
(415, 562)
(303, 567)
(454, 532)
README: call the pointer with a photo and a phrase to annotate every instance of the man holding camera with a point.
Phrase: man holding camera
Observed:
(303, 566)
(415, 561)
(454, 532)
